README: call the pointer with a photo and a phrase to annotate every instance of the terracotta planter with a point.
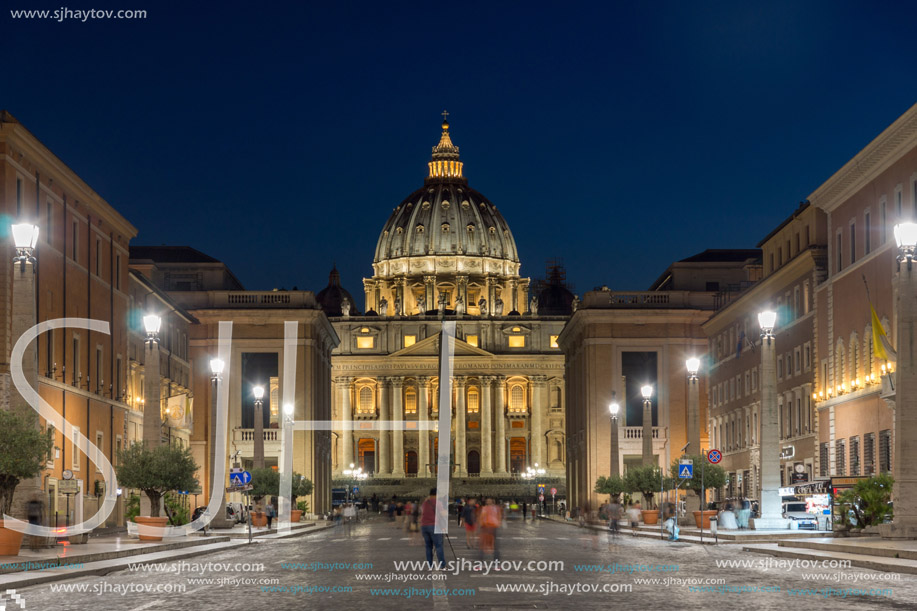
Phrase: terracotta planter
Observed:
(259, 518)
(295, 515)
(150, 521)
(10, 540)
(650, 516)
(704, 522)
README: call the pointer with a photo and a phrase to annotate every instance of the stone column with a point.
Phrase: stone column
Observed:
(258, 434)
(489, 292)
(429, 289)
(771, 507)
(648, 432)
(693, 415)
(461, 454)
(486, 415)
(904, 467)
(347, 417)
(615, 446)
(539, 401)
(219, 520)
(423, 437)
(397, 434)
(152, 409)
(369, 289)
(385, 463)
(500, 417)
(513, 296)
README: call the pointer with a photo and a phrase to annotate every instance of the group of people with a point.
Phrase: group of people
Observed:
(735, 514)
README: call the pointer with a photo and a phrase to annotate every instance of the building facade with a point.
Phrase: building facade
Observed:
(446, 253)
(793, 260)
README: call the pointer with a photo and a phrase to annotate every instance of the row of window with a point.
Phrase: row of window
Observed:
(854, 364)
(739, 429)
(853, 458)
(367, 399)
(846, 250)
(784, 253)
(514, 340)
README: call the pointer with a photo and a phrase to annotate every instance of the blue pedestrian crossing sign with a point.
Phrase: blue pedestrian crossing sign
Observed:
(541, 489)
(685, 471)
(240, 479)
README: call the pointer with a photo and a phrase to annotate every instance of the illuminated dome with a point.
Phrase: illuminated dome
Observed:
(446, 217)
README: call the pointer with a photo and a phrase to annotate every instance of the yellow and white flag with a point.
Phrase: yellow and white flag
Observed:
(880, 343)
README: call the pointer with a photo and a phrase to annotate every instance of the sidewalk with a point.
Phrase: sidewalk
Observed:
(893, 556)
(105, 555)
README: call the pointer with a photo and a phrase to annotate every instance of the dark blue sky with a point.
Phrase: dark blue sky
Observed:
(618, 137)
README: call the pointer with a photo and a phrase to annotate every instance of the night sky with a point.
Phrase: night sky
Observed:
(618, 138)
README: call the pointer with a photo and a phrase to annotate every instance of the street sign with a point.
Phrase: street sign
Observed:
(540, 488)
(685, 471)
(356, 489)
(235, 470)
(239, 479)
(68, 486)
(553, 491)
(244, 488)
(714, 456)
(541, 497)
(68, 474)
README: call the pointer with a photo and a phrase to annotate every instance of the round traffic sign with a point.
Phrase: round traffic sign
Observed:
(553, 491)
(714, 456)
(541, 497)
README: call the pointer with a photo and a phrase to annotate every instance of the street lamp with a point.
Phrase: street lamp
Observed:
(354, 476)
(152, 416)
(769, 469)
(258, 392)
(693, 366)
(904, 524)
(613, 409)
(647, 391)
(25, 238)
(216, 377)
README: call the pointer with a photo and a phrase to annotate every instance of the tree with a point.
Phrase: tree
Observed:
(714, 475)
(302, 486)
(25, 449)
(156, 471)
(265, 482)
(645, 479)
(869, 500)
(613, 486)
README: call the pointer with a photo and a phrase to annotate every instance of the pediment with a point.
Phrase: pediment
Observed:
(430, 347)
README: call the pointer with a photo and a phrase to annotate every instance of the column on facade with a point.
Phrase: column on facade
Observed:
(423, 436)
(385, 452)
(369, 289)
(461, 454)
(461, 290)
(539, 400)
(489, 292)
(500, 416)
(486, 415)
(347, 418)
(429, 289)
(514, 296)
(398, 434)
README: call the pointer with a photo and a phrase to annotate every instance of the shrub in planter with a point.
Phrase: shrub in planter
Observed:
(869, 502)
(156, 471)
(613, 486)
(25, 448)
(645, 479)
(301, 486)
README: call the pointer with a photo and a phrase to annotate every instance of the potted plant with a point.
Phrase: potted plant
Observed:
(301, 487)
(613, 486)
(868, 503)
(25, 449)
(265, 483)
(714, 477)
(155, 471)
(647, 480)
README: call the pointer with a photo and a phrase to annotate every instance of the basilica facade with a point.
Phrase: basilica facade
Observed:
(446, 253)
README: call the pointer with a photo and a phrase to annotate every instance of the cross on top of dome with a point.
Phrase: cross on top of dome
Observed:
(445, 164)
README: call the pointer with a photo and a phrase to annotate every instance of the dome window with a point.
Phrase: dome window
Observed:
(399, 230)
(445, 204)
(445, 227)
(420, 229)
(470, 228)
(425, 205)
(493, 231)
(465, 204)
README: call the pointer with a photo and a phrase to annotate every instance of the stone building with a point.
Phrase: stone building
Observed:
(618, 341)
(82, 271)
(210, 293)
(793, 256)
(446, 253)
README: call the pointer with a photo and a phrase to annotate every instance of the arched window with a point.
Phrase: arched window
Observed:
(410, 401)
(365, 405)
(474, 400)
(517, 398)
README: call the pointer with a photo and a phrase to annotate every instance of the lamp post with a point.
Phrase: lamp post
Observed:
(613, 409)
(216, 377)
(24, 317)
(693, 366)
(152, 416)
(647, 392)
(354, 475)
(258, 435)
(770, 505)
(904, 525)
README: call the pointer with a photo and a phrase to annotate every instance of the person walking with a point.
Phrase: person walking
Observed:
(350, 515)
(35, 510)
(431, 539)
(614, 511)
(468, 518)
(491, 520)
(633, 516)
(270, 513)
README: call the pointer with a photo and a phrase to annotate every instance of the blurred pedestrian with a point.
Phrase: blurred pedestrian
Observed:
(427, 527)
(35, 512)
(490, 520)
(468, 518)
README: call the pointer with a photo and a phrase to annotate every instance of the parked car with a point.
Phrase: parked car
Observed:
(236, 512)
(804, 520)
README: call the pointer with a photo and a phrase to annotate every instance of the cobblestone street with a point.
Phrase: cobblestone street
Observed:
(357, 570)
